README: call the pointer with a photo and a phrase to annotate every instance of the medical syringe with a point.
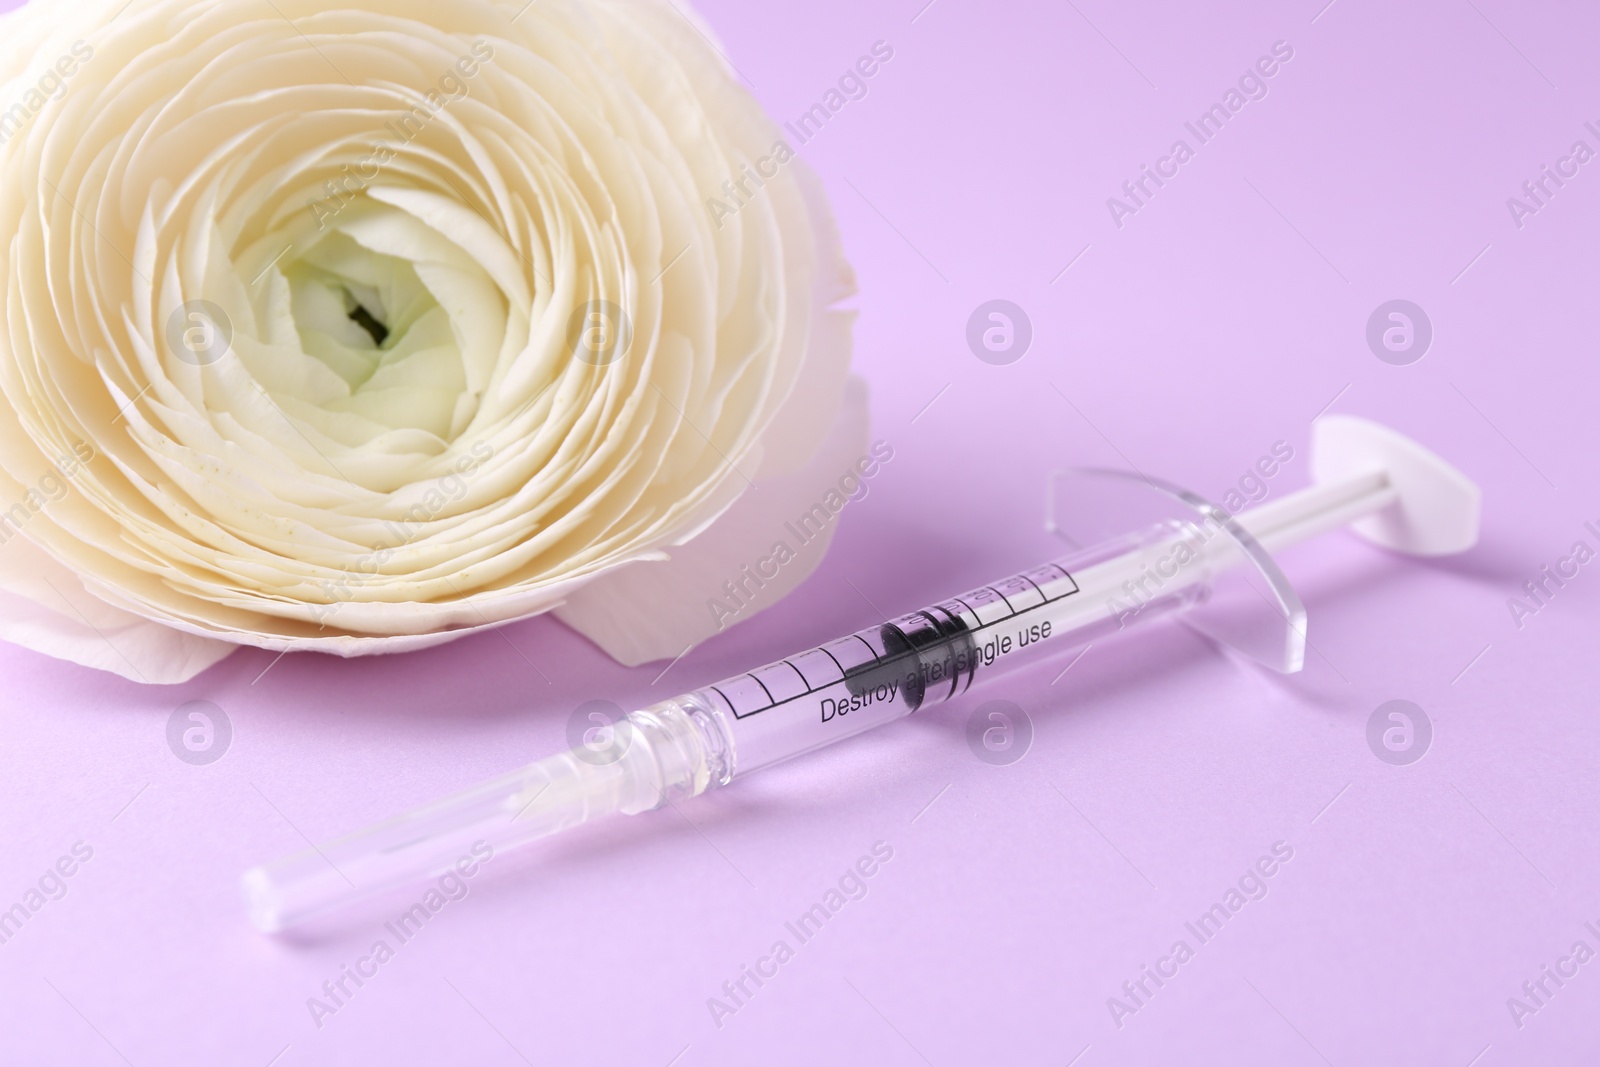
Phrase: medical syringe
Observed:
(1392, 490)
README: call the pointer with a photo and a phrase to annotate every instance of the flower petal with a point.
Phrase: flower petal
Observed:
(44, 607)
(654, 610)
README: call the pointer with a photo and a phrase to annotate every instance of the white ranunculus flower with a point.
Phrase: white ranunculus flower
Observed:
(359, 325)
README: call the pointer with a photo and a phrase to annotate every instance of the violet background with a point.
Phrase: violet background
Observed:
(1220, 319)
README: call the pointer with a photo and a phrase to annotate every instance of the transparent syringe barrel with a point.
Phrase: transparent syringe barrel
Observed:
(884, 672)
(684, 746)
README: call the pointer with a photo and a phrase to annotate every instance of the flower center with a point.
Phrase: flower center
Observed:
(371, 319)
(355, 309)
(364, 319)
(378, 331)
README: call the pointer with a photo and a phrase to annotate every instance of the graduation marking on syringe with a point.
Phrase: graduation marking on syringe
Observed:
(879, 661)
